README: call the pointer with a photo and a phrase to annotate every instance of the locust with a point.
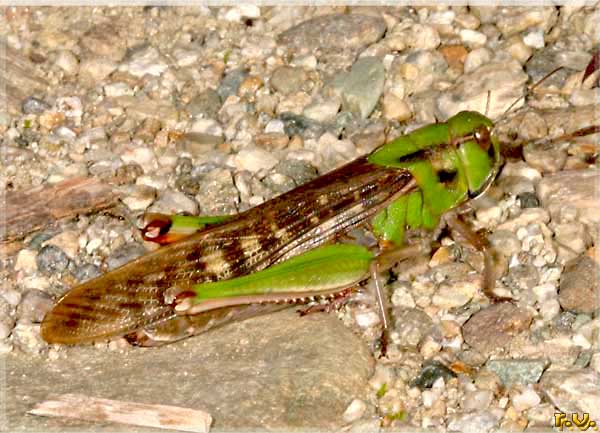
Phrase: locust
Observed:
(215, 270)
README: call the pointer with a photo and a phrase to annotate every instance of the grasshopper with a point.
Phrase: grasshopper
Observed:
(220, 269)
(243, 265)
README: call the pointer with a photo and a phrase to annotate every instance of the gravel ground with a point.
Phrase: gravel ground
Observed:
(215, 110)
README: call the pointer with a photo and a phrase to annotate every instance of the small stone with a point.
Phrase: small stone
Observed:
(66, 60)
(33, 105)
(148, 60)
(138, 197)
(26, 261)
(27, 338)
(473, 422)
(477, 400)
(572, 189)
(254, 159)
(572, 235)
(517, 371)
(206, 103)
(367, 318)
(6, 327)
(114, 90)
(395, 108)
(495, 326)
(34, 306)
(411, 325)
(583, 97)
(505, 242)
(11, 296)
(124, 254)
(142, 156)
(579, 291)
(287, 79)
(534, 39)
(355, 410)
(573, 391)
(52, 260)
(67, 241)
(476, 58)
(545, 160)
(324, 110)
(525, 218)
(86, 272)
(472, 37)
(95, 70)
(528, 199)
(231, 83)
(526, 399)
(361, 88)
(334, 33)
(171, 202)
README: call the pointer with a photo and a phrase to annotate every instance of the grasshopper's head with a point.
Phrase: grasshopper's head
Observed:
(477, 148)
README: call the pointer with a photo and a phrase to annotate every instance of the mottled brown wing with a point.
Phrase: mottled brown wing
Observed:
(133, 296)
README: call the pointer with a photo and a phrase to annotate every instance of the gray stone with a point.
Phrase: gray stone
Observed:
(335, 32)
(517, 371)
(573, 391)
(579, 288)
(274, 372)
(361, 88)
(495, 326)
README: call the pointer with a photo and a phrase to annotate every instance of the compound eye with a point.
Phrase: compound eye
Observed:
(482, 136)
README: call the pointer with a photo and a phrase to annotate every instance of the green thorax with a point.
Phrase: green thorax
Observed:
(449, 161)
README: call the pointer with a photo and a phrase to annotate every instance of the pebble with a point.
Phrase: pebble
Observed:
(573, 391)
(476, 58)
(526, 399)
(27, 338)
(411, 325)
(525, 218)
(572, 189)
(147, 60)
(52, 260)
(11, 296)
(95, 70)
(288, 79)
(138, 197)
(254, 159)
(361, 88)
(170, 201)
(67, 61)
(34, 306)
(494, 327)
(579, 290)
(231, 83)
(335, 32)
(504, 80)
(206, 103)
(67, 241)
(323, 110)
(6, 327)
(477, 400)
(395, 108)
(33, 105)
(472, 37)
(355, 410)
(26, 261)
(473, 422)
(505, 242)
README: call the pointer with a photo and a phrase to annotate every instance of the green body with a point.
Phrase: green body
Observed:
(461, 148)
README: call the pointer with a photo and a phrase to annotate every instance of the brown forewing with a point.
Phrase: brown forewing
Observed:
(133, 296)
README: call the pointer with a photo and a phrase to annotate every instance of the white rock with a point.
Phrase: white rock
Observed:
(275, 125)
(67, 61)
(114, 90)
(254, 159)
(472, 37)
(70, 105)
(207, 126)
(534, 39)
(367, 318)
(355, 410)
(141, 155)
(527, 399)
(68, 241)
(11, 296)
(26, 261)
(147, 61)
